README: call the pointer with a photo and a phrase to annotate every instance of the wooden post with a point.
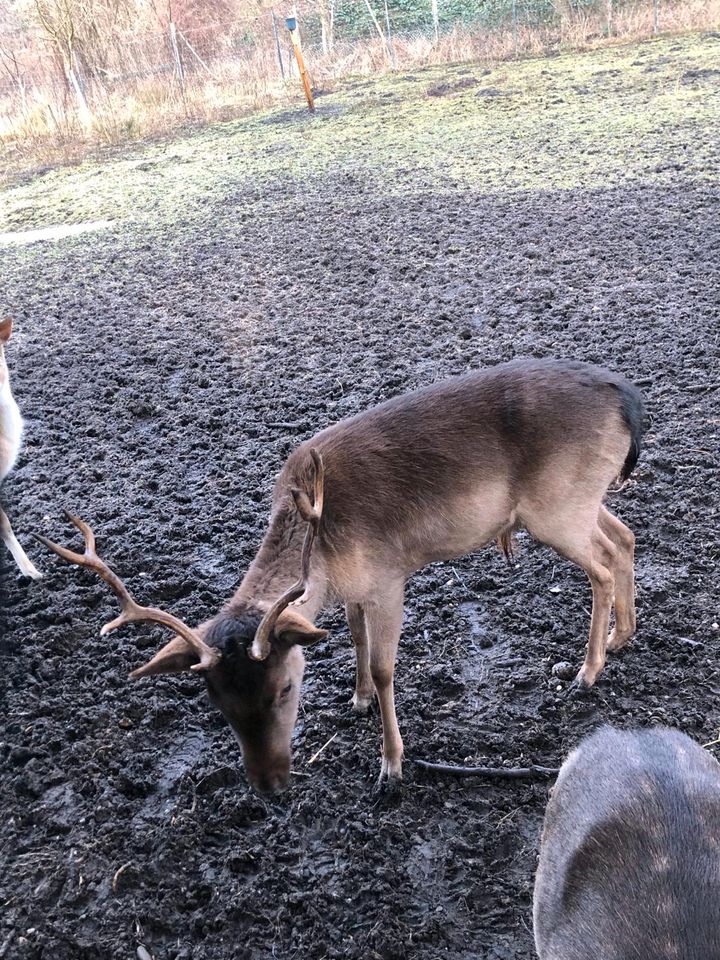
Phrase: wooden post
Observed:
(375, 20)
(435, 19)
(83, 108)
(388, 35)
(194, 52)
(277, 43)
(295, 39)
(178, 62)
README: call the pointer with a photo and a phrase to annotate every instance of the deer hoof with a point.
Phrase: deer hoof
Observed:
(579, 687)
(387, 785)
(390, 771)
(361, 705)
(616, 641)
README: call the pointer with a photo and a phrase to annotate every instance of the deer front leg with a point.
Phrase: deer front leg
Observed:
(24, 563)
(364, 687)
(383, 620)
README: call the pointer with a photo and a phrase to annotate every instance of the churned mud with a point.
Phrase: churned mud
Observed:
(246, 287)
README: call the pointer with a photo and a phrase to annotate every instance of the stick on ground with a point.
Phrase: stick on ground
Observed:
(533, 772)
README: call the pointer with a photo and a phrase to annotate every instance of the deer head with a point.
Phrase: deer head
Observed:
(252, 661)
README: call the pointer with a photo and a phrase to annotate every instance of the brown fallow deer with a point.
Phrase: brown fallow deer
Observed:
(630, 854)
(427, 476)
(11, 429)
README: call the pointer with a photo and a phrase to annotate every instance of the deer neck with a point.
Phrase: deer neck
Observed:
(277, 565)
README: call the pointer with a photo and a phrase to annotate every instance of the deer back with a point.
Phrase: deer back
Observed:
(433, 474)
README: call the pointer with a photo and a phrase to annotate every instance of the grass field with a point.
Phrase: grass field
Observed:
(594, 119)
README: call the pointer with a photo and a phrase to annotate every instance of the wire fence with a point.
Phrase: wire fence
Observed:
(115, 84)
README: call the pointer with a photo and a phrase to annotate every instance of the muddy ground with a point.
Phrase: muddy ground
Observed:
(167, 365)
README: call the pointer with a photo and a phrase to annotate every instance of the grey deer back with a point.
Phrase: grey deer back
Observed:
(630, 854)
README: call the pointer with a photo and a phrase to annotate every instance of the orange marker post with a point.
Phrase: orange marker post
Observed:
(291, 23)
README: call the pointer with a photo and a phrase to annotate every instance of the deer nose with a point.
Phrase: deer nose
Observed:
(269, 783)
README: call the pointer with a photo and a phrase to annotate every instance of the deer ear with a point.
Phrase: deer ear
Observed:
(176, 656)
(6, 326)
(292, 628)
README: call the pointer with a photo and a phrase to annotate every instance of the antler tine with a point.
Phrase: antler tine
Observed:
(84, 529)
(131, 612)
(311, 513)
(78, 558)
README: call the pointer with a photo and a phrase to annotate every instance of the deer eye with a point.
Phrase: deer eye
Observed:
(286, 690)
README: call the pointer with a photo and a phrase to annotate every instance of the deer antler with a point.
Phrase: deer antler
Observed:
(132, 612)
(311, 513)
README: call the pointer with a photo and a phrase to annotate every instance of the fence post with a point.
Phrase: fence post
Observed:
(83, 108)
(435, 19)
(655, 16)
(194, 52)
(376, 23)
(277, 43)
(295, 39)
(391, 48)
(178, 62)
(514, 26)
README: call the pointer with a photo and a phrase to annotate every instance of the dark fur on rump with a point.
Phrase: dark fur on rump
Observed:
(633, 411)
(505, 544)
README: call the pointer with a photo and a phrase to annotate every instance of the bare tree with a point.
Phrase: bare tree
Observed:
(83, 33)
(326, 9)
(11, 66)
(564, 10)
(59, 19)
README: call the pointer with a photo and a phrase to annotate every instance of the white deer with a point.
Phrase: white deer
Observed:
(11, 428)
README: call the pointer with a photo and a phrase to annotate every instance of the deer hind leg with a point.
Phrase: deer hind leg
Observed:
(584, 543)
(364, 686)
(27, 568)
(598, 558)
(383, 620)
(624, 540)
(600, 570)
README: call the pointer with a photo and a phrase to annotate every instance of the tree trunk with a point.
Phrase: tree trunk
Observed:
(327, 25)
(84, 114)
(377, 25)
(564, 10)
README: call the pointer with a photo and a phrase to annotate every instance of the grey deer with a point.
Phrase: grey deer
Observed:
(430, 475)
(630, 853)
